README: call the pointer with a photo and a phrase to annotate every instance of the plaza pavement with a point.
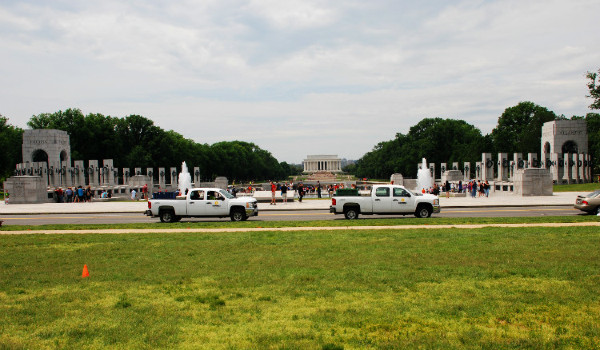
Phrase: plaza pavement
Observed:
(495, 199)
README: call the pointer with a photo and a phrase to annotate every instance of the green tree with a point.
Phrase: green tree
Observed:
(519, 128)
(436, 139)
(11, 139)
(594, 86)
(593, 129)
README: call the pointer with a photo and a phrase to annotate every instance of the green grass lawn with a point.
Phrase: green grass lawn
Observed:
(589, 187)
(381, 221)
(378, 289)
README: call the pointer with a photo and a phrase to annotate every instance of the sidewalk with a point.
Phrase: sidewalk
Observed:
(495, 199)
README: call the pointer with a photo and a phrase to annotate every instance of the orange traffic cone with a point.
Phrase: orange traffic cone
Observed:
(85, 272)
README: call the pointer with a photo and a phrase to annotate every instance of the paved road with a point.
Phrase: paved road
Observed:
(112, 218)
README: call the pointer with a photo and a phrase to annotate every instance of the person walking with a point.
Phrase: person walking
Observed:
(300, 192)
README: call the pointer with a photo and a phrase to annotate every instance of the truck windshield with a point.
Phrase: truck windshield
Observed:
(226, 194)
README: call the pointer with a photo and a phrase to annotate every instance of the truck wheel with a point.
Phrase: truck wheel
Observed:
(238, 215)
(167, 216)
(423, 211)
(351, 213)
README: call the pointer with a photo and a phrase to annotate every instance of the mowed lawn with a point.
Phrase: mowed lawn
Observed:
(378, 289)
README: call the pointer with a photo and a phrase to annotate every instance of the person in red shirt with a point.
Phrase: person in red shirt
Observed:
(273, 190)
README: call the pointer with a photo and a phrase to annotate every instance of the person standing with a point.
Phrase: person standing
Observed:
(273, 190)
(284, 193)
(318, 189)
(300, 192)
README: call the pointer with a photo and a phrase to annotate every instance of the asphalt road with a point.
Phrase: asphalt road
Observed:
(114, 218)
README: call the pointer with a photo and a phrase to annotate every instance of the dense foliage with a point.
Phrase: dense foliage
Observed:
(10, 145)
(135, 141)
(519, 129)
(438, 140)
(594, 87)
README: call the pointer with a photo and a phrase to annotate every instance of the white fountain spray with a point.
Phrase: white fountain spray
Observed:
(424, 180)
(185, 179)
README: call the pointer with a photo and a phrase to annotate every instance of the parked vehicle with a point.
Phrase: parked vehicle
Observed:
(385, 200)
(589, 203)
(201, 202)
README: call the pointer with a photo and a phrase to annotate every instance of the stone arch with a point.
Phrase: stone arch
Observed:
(547, 147)
(39, 155)
(570, 146)
(64, 156)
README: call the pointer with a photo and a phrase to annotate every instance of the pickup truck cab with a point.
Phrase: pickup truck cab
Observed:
(203, 202)
(386, 200)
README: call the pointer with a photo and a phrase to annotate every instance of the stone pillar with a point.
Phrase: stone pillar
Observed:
(173, 173)
(79, 171)
(588, 168)
(196, 176)
(478, 170)
(150, 174)
(443, 169)
(581, 165)
(511, 170)
(532, 160)
(487, 165)
(93, 173)
(126, 175)
(555, 168)
(110, 169)
(44, 173)
(454, 166)
(519, 161)
(575, 167)
(162, 178)
(54, 178)
(466, 171)
(432, 171)
(566, 168)
(502, 167)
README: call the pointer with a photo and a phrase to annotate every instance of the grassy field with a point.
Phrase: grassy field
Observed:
(589, 187)
(378, 289)
(315, 223)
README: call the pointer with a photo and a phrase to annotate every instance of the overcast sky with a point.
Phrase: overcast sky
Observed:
(296, 77)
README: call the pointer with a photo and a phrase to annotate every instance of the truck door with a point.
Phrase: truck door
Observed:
(382, 200)
(216, 204)
(196, 203)
(403, 201)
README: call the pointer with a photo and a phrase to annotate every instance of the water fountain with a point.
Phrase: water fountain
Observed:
(185, 179)
(424, 180)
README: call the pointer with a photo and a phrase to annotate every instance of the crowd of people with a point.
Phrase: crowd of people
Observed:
(74, 195)
(475, 188)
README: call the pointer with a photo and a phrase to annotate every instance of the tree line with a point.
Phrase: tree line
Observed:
(519, 130)
(134, 141)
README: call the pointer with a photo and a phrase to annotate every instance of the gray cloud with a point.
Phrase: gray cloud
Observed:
(296, 77)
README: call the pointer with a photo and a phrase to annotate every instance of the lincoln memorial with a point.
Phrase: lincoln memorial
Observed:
(316, 163)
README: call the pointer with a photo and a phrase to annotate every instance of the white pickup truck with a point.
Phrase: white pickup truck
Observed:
(386, 199)
(203, 202)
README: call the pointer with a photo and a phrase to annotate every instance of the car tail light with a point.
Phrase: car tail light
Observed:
(149, 205)
(332, 201)
(585, 203)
